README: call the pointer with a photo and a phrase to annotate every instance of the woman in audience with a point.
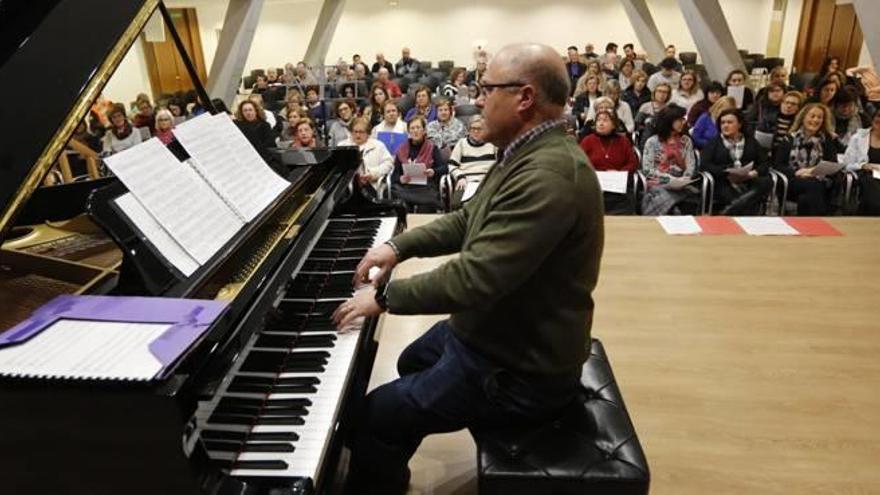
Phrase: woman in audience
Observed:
(847, 118)
(304, 137)
(164, 124)
(423, 106)
(268, 116)
(378, 97)
(585, 96)
(637, 94)
(288, 134)
(624, 77)
(669, 164)
(455, 83)
(377, 162)
(825, 92)
(609, 150)
(659, 100)
(340, 128)
(261, 85)
(779, 75)
(811, 141)
(622, 110)
(176, 107)
(122, 135)
(739, 166)
(764, 112)
(391, 121)
(688, 92)
(607, 104)
(738, 78)
(470, 160)
(705, 129)
(829, 66)
(713, 91)
(140, 98)
(251, 120)
(145, 117)
(293, 104)
(791, 104)
(446, 131)
(418, 150)
(863, 157)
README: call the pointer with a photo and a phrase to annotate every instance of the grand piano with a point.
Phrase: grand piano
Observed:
(261, 404)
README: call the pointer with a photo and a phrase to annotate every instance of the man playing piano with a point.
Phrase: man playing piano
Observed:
(519, 292)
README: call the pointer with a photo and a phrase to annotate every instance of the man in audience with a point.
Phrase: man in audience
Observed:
(847, 118)
(380, 63)
(304, 76)
(667, 74)
(574, 67)
(383, 79)
(519, 292)
(361, 74)
(629, 53)
(475, 75)
(590, 52)
(407, 64)
(357, 62)
(261, 85)
(610, 54)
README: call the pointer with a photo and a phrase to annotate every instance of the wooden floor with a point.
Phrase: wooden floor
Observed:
(749, 365)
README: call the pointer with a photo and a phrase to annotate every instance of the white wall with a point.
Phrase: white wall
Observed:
(131, 76)
(446, 30)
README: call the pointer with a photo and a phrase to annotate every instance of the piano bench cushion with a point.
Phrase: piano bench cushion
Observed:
(589, 448)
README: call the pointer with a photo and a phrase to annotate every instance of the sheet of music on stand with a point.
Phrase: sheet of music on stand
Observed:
(190, 210)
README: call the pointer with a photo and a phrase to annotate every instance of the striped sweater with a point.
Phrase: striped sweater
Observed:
(471, 159)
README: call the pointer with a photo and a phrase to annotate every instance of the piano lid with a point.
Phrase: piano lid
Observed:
(55, 58)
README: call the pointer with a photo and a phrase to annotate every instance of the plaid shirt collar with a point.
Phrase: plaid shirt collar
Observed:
(528, 137)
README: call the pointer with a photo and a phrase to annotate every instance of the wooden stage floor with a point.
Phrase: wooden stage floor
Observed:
(749, 365)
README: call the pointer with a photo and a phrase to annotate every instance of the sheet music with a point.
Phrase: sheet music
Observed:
(239, 175)
(765, 226)
(738, 93)
(177, 197)
(415, 172)
(824, 168)
(875, 174)
(613, 181)
(680, 225)
(469, 190)
(167, 246)
(81, 349)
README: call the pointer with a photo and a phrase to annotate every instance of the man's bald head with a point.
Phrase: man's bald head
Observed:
(539, 66)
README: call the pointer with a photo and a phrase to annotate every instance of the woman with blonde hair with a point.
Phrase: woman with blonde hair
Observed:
(688, 91)
(659, 100)
(588, 91)
(706, 128)
(164, 124)
(811, 140)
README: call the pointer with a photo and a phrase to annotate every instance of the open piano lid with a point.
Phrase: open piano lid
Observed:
(55, 58)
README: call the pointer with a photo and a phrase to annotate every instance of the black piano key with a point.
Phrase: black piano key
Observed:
(240, 408)
(263, 361)
(304, 368)
(260, 465)
(224, 435)
(281, 420)
(294, 340)
(318, 265)
(346, 264)
(251, 420)
(279, 436)
(248, 447)
(308, 307)
(266, 385)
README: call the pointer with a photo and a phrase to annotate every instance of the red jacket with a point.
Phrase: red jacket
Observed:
(615, 154)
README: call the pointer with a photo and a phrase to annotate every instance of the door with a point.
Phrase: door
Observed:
(827, 29)
(166, 68)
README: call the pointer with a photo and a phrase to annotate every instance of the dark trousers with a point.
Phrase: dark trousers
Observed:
(811, 196)
(444, 386)
(424, 199)
(745, 201)
(869, 192)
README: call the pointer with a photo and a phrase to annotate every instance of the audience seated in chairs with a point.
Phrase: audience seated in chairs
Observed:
(268, 116)
(391, 121)
(688, 92)
(455, 84)
(382, 63)
(825, 92)
(791, 104)
(251, 121)
(607, 104)
(377, 161)
(302, 136)
(610, 150)
(261, 85)
(811, 141)
(470, 160)
(164, 126)
(177, 109)
(383, 78)
(418, 149)
(765, 111)
(668, 73)
(622, 110)
(340, 129)
(446, 131)
(738, 78)
(293, 104)
(829, 66)
(575, 68)
(407, 64)
(378, 98)
(714, 90)
(738, 164)
(423, 107)
(624, 77)
(778, 75)
(863, 157)
(476, 75)
(669, 165)
(122, 134)
(847, 118)
(637, 93)
(706, 129)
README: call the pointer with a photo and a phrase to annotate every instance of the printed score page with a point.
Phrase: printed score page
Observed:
(177, 197)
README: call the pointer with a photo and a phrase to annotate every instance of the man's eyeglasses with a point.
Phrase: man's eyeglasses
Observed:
(487, 89)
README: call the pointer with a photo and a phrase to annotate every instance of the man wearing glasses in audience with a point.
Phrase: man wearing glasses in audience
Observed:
(529, 245)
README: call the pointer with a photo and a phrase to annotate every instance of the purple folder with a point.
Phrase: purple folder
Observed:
(391, 140)
(190, 319)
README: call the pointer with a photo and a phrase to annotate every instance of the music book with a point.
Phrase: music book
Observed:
(391, 140)
(416, 173)
(105, 337)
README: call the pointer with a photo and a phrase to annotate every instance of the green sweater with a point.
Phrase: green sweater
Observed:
(530, 242)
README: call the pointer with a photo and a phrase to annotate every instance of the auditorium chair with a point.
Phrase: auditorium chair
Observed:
(405, 103)
(743, 53)
(770, 63)
(800, 80)
(258, 72)
(688, 58)
(402, 83)
(248, 81)
(439, 75)
(590, 448)
(425, 66)
(446, 65)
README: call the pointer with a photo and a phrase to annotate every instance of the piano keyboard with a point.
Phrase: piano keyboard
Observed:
(275, 411)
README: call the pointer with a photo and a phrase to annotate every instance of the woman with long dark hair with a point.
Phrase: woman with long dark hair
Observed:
(669, 163)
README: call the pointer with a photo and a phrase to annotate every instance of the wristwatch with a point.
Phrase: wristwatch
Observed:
(382, 296)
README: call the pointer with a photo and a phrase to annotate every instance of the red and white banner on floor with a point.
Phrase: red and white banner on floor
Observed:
(760, 226)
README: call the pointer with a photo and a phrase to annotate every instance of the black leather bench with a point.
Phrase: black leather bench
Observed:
(591, 448)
